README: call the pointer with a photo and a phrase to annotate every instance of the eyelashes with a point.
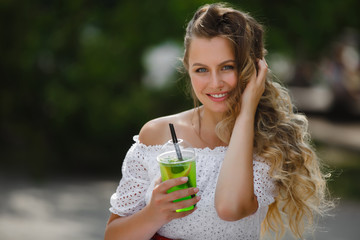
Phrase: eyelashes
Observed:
(224, 68)
(201, 70)
(228, 67)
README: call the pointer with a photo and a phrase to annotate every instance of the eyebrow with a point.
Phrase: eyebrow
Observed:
(222, 63)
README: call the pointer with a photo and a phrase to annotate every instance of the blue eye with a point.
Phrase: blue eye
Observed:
(228, 67)
(200, 70)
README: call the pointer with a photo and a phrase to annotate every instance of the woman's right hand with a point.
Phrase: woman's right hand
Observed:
(161, 205)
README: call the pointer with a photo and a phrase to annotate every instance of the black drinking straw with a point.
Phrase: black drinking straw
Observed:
(175, 141)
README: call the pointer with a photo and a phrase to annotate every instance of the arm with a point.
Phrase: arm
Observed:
(136, 226)
(161, 208)
(234, 195)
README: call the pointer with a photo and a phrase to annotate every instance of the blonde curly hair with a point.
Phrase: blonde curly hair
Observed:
(281, 135)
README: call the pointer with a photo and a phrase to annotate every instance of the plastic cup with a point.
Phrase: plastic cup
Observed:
(171, 167)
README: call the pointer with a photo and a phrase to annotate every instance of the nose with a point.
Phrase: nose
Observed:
(216, 81)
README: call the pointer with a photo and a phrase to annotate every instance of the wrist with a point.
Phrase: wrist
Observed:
(153, 217)
(245, 116)
(248, 109)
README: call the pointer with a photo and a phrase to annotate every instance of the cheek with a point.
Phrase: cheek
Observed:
(231, 79)
(197, 84)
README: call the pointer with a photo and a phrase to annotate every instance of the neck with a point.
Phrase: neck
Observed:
(209, 119)
(204, 124)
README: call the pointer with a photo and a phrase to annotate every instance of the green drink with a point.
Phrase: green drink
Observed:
(172, 167)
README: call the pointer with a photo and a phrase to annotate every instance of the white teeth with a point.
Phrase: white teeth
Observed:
(218, 95)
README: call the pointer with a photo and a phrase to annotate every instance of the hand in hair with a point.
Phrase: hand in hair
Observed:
(254, 89)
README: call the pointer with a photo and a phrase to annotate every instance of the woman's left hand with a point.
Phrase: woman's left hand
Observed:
(254, 89)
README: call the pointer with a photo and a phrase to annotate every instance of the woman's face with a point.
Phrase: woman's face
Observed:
(212, 69)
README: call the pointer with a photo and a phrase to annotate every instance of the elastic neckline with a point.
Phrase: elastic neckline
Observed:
(218, 149)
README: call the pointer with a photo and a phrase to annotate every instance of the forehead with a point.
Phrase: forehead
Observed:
(216, 49)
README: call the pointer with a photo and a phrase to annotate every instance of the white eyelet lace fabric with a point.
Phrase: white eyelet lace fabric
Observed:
(140, 171)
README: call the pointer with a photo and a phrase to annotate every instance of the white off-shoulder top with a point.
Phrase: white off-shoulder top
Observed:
(140, 170)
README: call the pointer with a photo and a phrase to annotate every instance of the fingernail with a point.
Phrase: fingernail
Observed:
(184, 179)
(198, 198)
(196, 190)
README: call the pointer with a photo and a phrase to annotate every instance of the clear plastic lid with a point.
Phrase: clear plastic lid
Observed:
(168, 151)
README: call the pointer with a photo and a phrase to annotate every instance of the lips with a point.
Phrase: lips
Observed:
(217, 97)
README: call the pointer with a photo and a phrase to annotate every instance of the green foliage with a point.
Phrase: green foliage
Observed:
(71, 94)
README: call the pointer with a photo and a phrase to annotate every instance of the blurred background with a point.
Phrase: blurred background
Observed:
(80, 78)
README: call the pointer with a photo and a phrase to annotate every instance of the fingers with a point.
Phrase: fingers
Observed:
(259, 81)
(186, 203)
(182, 193)
(263, 68)
(164, 186)
(261, 72)
(166, 204)
(254, 89)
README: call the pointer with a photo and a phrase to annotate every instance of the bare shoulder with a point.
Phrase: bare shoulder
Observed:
(156, 131)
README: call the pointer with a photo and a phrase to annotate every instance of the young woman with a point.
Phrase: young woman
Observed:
(255, 167)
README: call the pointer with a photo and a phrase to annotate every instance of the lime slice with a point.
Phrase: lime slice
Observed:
(180, 171)
(177, 169)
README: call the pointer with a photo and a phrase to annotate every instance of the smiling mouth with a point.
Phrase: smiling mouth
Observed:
(220, 95)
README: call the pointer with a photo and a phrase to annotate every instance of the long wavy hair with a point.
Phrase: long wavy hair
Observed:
(281, 135)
